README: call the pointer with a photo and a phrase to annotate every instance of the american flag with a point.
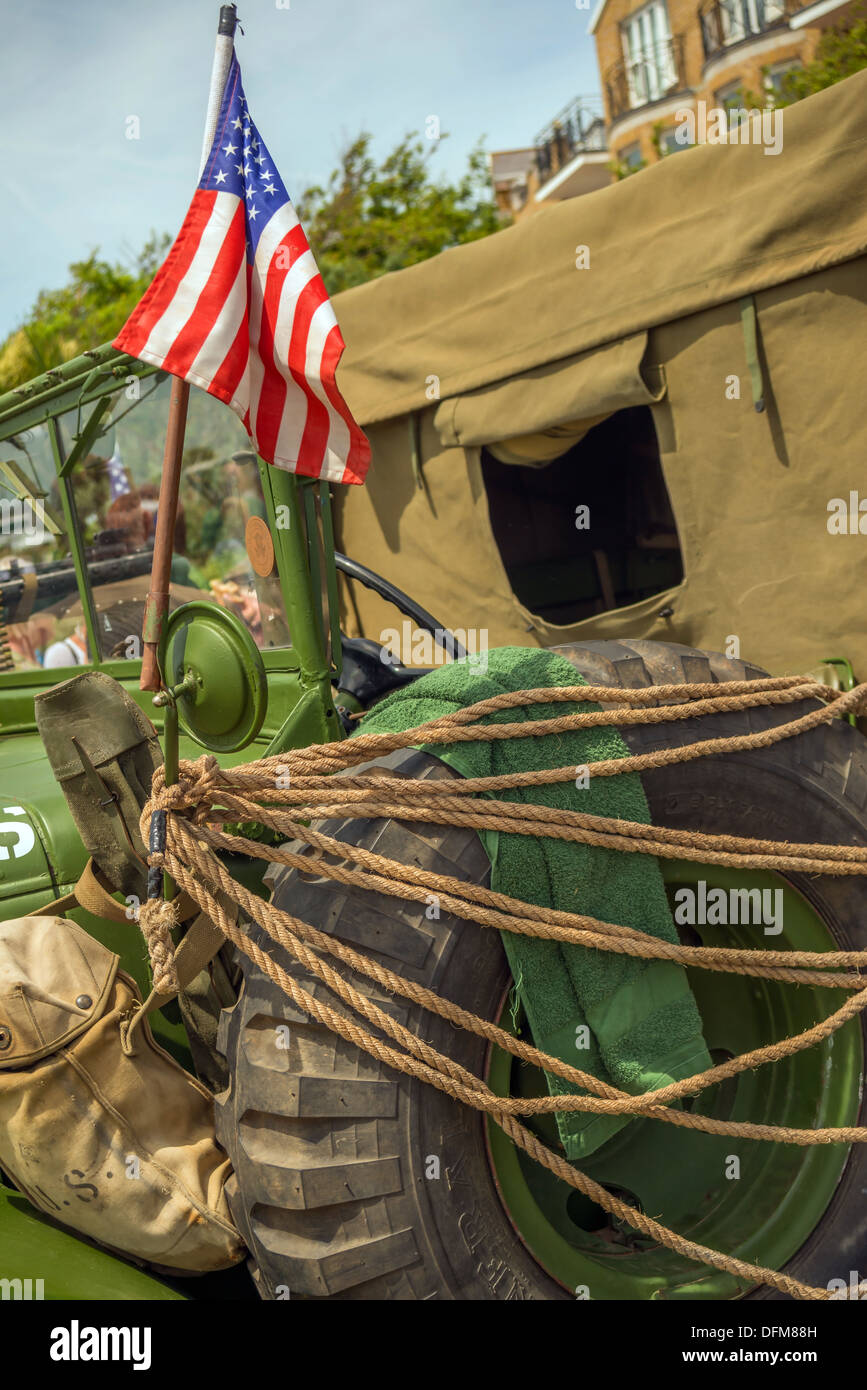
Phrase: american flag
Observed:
(118, 481)
(239, 308)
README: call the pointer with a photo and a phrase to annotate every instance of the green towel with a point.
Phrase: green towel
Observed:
(644, 1026)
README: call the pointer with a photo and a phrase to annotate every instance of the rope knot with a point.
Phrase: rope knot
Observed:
(157, 920)
(194, 793)
(198, 783)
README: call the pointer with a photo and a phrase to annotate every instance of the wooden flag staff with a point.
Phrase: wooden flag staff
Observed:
(157, 604)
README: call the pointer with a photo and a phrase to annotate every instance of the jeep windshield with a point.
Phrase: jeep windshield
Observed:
(112, 503)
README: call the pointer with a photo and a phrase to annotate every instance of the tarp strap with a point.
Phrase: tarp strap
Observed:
(93, 893)
(415, 454)
(751, 348)
(415, 448)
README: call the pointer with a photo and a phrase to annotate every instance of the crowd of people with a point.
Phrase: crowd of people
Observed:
(122, 525)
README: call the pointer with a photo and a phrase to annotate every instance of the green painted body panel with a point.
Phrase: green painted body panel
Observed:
(70, 1268)
(41, 854)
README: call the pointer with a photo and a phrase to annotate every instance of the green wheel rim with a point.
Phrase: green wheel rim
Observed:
(678, 1176)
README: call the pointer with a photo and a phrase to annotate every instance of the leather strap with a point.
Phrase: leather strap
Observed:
(200, 943)
(93, 893)
(199, 946)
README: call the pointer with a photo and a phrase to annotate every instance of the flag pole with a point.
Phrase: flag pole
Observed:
(157, 604)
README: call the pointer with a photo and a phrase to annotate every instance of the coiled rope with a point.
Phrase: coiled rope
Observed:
(287, 791)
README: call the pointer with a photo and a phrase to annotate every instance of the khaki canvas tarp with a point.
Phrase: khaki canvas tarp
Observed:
(527, 352)
(559, 401)
(701, 229)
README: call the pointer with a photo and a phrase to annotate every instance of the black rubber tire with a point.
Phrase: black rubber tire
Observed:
(330, 1150)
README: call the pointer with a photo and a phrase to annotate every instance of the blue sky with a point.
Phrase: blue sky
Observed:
(315, 73)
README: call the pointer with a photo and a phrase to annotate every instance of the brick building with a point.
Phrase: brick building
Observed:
(665, 56)
(567, 158)
(657, 58)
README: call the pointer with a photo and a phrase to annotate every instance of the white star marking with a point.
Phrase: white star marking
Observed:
(221, 177)
(229, 149)
(253, 213)
(236, 124)
(269, 188)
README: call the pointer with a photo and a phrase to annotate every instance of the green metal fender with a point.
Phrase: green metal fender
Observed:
(68, 1267)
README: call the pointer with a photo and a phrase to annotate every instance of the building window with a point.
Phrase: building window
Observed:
(648, 52)
(669, 143)
(773, 78)
(631, 156)
(730, 99)
(725, 22)
(730, 21)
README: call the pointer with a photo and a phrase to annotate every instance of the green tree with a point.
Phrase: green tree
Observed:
(88, 310)
(840, 53)
(372, 218)
(619, 169)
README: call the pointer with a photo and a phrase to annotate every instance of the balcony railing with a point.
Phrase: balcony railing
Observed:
(725, 22)
(576, 129)
(645, 77)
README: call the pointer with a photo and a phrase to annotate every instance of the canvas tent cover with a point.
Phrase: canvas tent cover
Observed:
(505, 350)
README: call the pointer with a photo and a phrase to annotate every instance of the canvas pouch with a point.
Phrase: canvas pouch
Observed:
(103, 751)
(107, 1135)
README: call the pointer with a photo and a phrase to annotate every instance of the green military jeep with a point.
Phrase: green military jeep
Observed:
(335, 1189)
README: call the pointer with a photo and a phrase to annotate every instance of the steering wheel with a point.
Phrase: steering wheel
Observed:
(441, 635)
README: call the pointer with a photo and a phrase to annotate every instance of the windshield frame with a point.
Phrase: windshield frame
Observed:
(303, 562)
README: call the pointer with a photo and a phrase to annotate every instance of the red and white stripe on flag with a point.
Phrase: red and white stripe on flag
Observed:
(239, 308)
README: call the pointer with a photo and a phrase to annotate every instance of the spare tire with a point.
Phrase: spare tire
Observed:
(352, 1181)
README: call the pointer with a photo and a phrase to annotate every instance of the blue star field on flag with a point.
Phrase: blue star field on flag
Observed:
(239, 162)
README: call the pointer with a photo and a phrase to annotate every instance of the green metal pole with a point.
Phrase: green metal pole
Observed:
(281, 490)
(76, 544)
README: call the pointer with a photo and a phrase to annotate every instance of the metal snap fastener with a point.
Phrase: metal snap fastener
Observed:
(83, 1001)
(5, 1038)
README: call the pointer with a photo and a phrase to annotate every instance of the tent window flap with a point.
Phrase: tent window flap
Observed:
(541, 413)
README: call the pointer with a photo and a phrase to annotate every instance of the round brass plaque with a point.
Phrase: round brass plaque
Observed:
(260, 546)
